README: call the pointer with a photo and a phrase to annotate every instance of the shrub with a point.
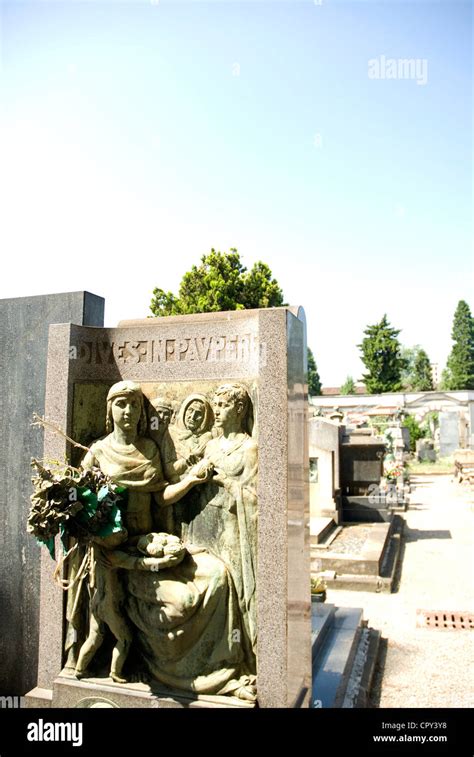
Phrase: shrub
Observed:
(416, 431)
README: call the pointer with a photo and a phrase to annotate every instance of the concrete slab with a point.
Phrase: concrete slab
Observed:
(347, 618)
(332, 663)
(322, 617)
(372, 567)
(320, 528)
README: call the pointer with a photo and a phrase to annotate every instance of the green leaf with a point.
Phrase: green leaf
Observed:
(114, 524)
(64, 537)
(49, 544)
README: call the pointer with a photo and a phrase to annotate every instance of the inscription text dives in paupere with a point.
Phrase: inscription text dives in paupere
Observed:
(238, 348)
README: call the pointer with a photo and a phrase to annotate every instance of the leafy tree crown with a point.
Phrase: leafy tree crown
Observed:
(220, 282)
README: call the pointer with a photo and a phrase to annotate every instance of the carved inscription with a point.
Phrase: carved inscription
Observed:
(238, 348)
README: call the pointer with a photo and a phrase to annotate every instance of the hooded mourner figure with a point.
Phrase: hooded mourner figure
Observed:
(192, 432)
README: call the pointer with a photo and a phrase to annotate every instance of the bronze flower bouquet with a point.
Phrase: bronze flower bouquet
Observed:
(72, 502)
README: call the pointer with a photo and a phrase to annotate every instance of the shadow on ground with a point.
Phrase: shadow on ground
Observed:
(397, 576)
(415, 534)
(411, 535)
(425, 483)
(375, 692)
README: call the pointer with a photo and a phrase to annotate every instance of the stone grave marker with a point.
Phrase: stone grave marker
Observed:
(207, 432)
(448, 433)
(24, 323)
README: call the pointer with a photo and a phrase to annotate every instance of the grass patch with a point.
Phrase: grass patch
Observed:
(442, 465)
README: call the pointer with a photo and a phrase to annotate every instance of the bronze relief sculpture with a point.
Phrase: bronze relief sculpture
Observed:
(176, 586)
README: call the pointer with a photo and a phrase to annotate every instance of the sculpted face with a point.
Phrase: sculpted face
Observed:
(126, 412)
(227, 413)
(194, 415)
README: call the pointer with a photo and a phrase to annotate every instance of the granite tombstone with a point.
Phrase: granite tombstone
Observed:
(24, 323)
(202, 421)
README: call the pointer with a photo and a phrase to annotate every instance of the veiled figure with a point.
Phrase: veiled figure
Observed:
(191, 433)
(222, 515)
(185, 619)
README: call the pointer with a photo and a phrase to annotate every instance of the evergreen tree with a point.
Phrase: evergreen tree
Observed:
(409, 355)
(422, 373)
(459, 373)
(314, 382)
(381, 356)
(348, 386)
(220, 282)
(417, 374)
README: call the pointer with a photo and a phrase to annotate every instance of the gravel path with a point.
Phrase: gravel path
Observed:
(421, 667)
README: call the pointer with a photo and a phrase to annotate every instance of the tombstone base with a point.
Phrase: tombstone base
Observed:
(38, 698)
(70, 692)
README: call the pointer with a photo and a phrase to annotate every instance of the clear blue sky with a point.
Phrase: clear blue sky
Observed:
(138, 135)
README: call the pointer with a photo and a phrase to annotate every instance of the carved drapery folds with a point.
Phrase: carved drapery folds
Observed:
(188, 458)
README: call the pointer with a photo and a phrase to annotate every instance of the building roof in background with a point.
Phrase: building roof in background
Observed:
(383, 410)
(335, 391)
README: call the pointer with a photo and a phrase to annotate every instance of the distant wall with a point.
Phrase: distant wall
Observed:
(324, 437)
(447, 404)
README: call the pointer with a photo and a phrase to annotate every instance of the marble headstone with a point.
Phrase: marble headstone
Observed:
(448, 433)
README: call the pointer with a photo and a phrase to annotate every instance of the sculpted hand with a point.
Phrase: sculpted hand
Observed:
(194, 458)
(115, 560)
(148, 563)
(158, 563)
(201, 472)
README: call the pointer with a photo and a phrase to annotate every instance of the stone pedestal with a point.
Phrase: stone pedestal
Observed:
(265, 350)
